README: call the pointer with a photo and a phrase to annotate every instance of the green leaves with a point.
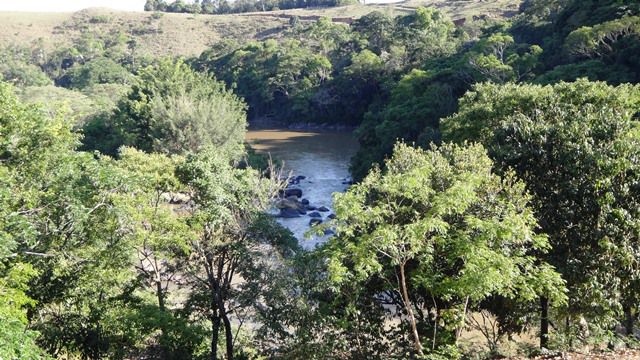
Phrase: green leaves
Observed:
(16, 340)
(463, 232)
(599, 40)
(172, 109)
(575, 146)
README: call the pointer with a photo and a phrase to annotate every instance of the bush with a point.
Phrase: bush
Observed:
(22, 74)
(172, 109)
(99, 19)
(98, 71)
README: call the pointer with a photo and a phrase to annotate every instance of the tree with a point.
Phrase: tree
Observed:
(63, 224)
(18, 342)
(575, 146)
(229, 258)
(600, 40)
(23, 74)
(426, 34)
(377, 28)
(498, 60)
(442, 233)
(274, 78)
(412, 113)
(174, 110)
(98, 71)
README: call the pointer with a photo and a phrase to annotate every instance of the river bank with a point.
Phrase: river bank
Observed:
(267, 123)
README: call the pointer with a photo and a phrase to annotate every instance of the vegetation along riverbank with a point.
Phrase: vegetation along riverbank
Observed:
(467, 174)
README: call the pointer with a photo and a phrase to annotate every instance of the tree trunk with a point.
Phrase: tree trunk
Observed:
(215, 332)
(228, 336)
(161, 306)
(412, 318)
(544, 322)
(464, 319)
(160, 295)
(628, 320)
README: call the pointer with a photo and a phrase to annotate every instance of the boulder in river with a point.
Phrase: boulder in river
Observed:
(289, 203)
(292, 192)
(300, 177)
(315, 214)
(304, 202)
(288, 213)
(331, 216)
(329, 232)
(311, 207)
(315, 221)
(323, 209)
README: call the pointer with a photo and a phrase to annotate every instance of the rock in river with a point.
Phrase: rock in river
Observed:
(314, 222)
(289, 204)
(292, 192)
(315, 214)
(323, 209)
(288, 213)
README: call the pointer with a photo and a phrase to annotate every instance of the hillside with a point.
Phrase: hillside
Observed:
(188, 35)
(167, 34)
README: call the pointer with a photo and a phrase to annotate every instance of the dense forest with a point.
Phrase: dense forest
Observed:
(497, 191)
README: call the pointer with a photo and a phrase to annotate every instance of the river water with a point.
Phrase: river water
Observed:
(322, 157)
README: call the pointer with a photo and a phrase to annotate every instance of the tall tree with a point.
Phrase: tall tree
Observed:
(230, 255)
(442, 233)
(174, 110)
(576, 147)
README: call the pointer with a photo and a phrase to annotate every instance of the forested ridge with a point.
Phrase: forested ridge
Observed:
(242, 6)
(495, 210)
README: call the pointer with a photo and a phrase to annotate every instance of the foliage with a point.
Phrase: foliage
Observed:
(575, 146)
(164, 250)
(234, 240)
(23, 74)
(16, 341)
(97, 71)
(330, 73)
(61, 205)
(272, 76)
(84, 106)
(442, 233)
(412, 114)
(173, 110)
(241, 6)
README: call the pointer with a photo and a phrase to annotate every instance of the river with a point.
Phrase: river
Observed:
(322, 157)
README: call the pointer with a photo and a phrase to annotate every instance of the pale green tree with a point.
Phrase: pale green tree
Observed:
(440, 225)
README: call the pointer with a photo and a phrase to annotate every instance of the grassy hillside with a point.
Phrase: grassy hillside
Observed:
(167, 34)
(188, 35)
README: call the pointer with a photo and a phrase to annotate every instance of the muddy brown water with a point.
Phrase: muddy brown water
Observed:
(322, 156)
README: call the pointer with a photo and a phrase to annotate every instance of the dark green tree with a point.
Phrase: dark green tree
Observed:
(575, 146)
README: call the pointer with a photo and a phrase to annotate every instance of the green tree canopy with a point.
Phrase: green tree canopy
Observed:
(442, 232)
(173, 109)
(576, 147)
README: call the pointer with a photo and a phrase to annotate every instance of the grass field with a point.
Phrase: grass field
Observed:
(169, 34)
(188, 35)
